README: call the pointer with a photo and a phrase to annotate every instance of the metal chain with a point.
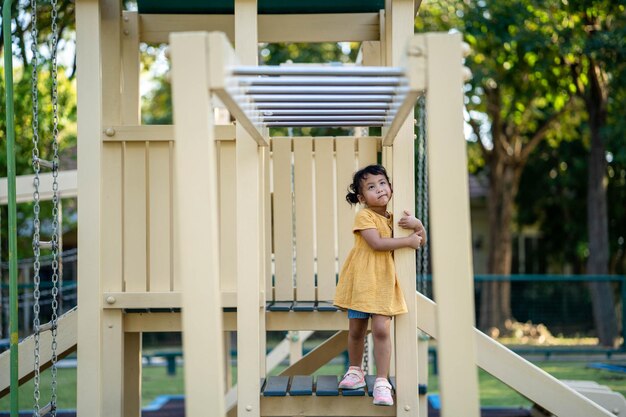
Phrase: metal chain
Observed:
(55, 205)
(422, 194)
(366, 356)
(36, 208)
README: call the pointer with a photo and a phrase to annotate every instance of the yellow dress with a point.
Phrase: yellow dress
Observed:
(368, 281)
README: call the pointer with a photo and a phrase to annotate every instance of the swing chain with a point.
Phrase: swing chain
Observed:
(422, 193)
(36, 207)
(55, 205)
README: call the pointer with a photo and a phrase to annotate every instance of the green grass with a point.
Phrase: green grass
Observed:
(156, 382)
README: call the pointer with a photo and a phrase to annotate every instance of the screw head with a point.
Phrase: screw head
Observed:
(110, 299)
(407, 408)
(248, 408)
(109, 131)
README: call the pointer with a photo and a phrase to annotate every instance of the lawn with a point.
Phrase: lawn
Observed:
(156, 382)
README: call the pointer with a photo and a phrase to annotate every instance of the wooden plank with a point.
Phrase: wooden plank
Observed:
(346, 166)
(304, 306)
(368, 151)
(160, 217)
(135, 250)
(272, 28)
(228, 200)
(326, 306)
(167, 299)
(281, 306)
(325, 218)
(358, 392)
(303, 190)
(276, 386)
(301, 385)
(112, 215)
(282, 226)
(326, 386)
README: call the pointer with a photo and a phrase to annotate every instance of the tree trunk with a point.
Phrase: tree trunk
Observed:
(597, 222)
(495, 303)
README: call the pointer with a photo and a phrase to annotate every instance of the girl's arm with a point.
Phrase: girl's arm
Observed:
(409, 221)
(376, 242)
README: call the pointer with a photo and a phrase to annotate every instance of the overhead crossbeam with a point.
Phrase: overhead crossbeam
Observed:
(261, 97)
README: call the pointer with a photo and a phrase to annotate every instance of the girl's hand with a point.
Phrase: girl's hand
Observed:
(409, 221)
(415, 241)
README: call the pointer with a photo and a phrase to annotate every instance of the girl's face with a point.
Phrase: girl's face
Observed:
(375, 192)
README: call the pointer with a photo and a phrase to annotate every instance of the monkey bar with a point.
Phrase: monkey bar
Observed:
(314, 95)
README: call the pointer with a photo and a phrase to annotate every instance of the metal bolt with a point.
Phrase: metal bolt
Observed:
(125, 18)
(248, 408)
(126, 31)
(109, 131)
(407, 408)
(110, 299)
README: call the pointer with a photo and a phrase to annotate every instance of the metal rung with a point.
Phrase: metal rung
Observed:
(46, 409)
(329, 112)
(260, 105)
(324, 97)
(327, 124)
(353, 71)
(339, 118)
(341, 81)
(46, 244)
(47, 326)
(272, 89)
(44, 163)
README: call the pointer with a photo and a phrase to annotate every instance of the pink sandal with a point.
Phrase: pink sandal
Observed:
(353, 379)
(382, 392)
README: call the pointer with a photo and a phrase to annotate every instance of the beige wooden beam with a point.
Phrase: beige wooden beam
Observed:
(66, 344)
(453, 282)
(524, 377)
(323, 406)
(155, 133)
(319, 356)
(272, 28)
(248, 225)
(399, 26)
(67, 182)
(166, 299)
(89, 99)
(196, 251)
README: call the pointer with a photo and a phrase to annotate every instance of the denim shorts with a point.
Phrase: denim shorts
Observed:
(355, 314)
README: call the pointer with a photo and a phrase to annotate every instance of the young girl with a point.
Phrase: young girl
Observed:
(368, 286)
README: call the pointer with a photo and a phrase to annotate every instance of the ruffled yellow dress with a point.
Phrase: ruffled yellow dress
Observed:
(368, 281)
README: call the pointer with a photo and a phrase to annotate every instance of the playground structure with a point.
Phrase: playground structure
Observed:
(205, 218)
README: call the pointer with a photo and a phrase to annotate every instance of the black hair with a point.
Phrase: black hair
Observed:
(354, 189)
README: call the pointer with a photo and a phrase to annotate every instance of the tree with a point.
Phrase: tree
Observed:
(592, 33)
(517, 86)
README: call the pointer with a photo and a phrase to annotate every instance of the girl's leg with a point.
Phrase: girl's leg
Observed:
(356, 340)
(382, 344)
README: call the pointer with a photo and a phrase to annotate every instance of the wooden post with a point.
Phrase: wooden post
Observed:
(453, 282)
(248, 208)
(196, 243)
(398, 30)
(89, 53)
(131, 115)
